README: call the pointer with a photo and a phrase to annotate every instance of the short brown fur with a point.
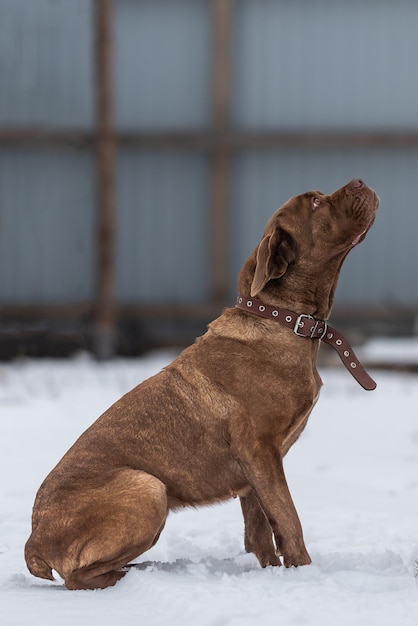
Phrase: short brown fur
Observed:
(215, 423)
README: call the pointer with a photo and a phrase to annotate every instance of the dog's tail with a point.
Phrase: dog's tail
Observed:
(36, 565)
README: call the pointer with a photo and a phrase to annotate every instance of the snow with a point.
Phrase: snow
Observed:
(401, 350)
(353, 475)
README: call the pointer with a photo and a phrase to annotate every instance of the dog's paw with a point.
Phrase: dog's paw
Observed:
(264, 551)
(268, 559)
(297, 559)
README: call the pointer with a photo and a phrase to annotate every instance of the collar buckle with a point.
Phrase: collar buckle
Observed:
(310, 332)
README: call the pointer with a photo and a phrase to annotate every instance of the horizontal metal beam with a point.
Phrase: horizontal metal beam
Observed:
(154, 310)
(85, 310)
(212, 140)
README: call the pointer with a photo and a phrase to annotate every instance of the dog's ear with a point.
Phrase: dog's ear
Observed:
(274, 254)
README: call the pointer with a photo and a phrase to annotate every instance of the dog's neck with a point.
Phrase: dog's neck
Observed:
(301, 289)
(298, 290)
(304, 292)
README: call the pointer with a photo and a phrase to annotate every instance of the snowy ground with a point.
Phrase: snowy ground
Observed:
(353, 475)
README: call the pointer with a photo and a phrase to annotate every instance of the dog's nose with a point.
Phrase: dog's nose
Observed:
(356, 183)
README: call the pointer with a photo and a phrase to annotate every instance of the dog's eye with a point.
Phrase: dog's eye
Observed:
(316, 202)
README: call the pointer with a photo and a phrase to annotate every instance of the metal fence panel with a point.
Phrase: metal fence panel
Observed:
(163, 222)
(162, 63)
(46, 70)
(46, 227)
(326, 64)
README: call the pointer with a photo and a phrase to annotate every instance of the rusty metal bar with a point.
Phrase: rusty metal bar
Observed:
(221, 161)
(344, 313)
(232, 140)
(105, 305)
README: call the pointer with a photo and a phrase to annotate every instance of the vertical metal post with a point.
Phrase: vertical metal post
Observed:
(221, 96)
(105, 305)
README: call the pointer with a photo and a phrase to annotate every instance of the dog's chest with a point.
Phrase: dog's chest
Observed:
(296, 426)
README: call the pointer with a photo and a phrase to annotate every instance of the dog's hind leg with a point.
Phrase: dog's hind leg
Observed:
(122, 519)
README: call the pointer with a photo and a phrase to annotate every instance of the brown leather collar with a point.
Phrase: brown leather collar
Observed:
(310, 328)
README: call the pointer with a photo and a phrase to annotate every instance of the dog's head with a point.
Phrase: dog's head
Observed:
(308, 238)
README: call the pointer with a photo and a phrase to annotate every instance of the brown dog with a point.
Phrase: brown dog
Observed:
(215, 423)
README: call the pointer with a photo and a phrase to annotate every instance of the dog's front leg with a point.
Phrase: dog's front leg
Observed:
(258, 534)
(264, 470)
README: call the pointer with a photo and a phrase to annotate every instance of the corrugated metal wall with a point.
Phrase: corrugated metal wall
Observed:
(161, 82)
(163, 227)
(46, 226)
(328, 65)
(45, 63)
(162, 63)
